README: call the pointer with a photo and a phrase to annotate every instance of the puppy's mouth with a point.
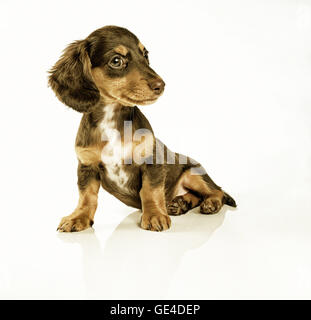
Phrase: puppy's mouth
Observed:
(137, 95)
(140, 101)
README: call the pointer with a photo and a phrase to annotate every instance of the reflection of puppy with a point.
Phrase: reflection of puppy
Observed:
(103, 266)
(105, 76)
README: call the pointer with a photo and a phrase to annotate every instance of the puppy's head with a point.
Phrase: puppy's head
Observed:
(110, 64)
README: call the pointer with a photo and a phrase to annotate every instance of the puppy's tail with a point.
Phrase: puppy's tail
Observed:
(229, 200)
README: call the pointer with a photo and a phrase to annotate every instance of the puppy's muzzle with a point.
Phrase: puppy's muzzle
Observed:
(156, 85)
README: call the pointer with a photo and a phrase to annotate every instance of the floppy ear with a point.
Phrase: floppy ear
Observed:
(71, 78)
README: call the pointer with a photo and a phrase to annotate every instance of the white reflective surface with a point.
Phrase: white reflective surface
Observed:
(240, 253)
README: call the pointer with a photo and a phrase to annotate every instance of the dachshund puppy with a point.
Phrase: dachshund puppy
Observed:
(105, 77)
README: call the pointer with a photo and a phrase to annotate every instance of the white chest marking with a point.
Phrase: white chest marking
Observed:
(112, 153)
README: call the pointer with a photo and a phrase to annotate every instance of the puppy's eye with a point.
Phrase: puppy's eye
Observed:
(116, 62)
(146, 55)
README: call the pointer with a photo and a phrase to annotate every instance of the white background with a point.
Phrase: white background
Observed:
(237, 99)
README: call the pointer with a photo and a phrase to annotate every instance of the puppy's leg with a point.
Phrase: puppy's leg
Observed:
(152, 196)
(182, 204)
(83, 216)
(212, 195)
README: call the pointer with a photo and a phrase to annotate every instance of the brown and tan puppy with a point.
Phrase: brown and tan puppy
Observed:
(105, 76)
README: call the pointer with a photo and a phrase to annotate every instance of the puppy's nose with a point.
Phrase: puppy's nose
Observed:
(156, 85)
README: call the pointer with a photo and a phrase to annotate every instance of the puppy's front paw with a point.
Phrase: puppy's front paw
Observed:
(210, 205)
(69, 224)
(155, 222)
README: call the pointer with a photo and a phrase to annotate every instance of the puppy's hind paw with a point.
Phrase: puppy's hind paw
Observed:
(178, 206)
(210, 205)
